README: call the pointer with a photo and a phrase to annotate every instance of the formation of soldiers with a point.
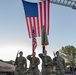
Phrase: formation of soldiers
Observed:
(47, 62)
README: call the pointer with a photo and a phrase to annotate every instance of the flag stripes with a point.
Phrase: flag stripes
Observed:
(37, 16)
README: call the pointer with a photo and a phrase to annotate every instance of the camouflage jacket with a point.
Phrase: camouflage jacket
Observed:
(21, 63)
(59, 62)
(46, 60)
(33, 64)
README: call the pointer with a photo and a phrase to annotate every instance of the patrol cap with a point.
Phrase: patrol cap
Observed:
(57, 52)
(21, 52)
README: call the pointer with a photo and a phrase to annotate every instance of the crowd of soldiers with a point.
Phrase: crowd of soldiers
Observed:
(47, 62)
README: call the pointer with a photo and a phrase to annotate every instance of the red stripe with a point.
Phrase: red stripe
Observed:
(48, 17)
(38, 26)
(40, 4)
(35, 27)
(28, 27)
(45, 14)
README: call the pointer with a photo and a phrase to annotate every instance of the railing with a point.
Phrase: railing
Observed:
(67, 3)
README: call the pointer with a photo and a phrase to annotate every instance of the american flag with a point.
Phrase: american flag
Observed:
(37, 16)
(34, 41)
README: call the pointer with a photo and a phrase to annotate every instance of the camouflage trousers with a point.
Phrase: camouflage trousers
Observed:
(60, 72)
(19, 72)
(34, 72)
(46, 71)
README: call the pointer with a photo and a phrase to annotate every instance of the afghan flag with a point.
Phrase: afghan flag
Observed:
(44, 38)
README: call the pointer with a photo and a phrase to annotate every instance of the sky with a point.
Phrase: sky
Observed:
(14, 35)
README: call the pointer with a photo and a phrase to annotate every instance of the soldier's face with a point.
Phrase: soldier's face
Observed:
(45, 53)
(57, 53)
(21, 54)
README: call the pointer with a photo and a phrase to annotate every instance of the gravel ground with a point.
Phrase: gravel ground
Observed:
(55, 74)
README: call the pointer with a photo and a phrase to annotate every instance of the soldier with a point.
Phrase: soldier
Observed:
(46, 63)
(59, 64)
(21, 64)
(34, 62)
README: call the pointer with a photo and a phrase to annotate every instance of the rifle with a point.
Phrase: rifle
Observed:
(54, 53)
(55, 58)
(16, 58)
(17, 54)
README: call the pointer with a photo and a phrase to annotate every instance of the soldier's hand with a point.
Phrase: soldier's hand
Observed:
(33, 66)
(46, 64)
(55, 63)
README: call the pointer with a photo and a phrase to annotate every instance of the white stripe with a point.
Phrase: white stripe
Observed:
(32, 22)
(46, 16)
(39, 18)
(42, 13)
(29, 25)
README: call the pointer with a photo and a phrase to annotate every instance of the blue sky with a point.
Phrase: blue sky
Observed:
(14, 35)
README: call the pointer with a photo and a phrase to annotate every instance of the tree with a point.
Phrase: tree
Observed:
(1, 60)
(10, 62)
(68, 51)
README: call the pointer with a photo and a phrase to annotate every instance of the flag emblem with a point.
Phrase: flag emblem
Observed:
(37, 16)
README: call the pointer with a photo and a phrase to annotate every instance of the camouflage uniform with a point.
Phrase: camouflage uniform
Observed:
(33, 68)
(21, 65)
(60, 65)
(46, 64)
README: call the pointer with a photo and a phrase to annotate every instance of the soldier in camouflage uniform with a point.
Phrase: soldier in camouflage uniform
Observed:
(59, 64)
(46, 63)
(20, 64)
(34, 62)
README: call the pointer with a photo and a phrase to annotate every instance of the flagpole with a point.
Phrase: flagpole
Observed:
(32, 46)
(43, 47)
(44, 38)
